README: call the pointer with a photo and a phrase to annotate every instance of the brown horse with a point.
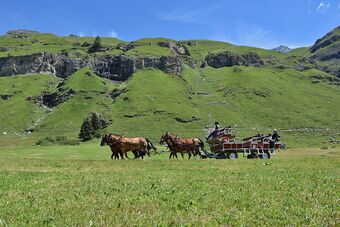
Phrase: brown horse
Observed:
(182, 145)
(121, 145)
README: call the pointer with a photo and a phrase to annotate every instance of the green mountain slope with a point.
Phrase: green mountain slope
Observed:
(285, 91)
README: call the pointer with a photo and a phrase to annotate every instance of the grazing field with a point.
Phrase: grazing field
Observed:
(80, 185)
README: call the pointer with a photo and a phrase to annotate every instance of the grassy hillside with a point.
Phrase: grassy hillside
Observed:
(151, 102)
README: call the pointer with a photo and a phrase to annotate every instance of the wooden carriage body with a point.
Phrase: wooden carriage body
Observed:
(225, 142)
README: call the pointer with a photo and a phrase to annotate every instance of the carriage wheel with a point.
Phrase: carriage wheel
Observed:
(232, 155)
(265, 155)
(221, 156)
(252, 156)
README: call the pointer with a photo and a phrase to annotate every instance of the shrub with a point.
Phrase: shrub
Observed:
(97, 134)
(48, 140)
(72, 142)
(59, 140)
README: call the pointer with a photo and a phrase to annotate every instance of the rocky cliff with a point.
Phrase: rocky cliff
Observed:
(226, 58)
(119, 67)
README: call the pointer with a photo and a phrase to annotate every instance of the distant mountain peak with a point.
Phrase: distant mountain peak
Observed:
(282, 49)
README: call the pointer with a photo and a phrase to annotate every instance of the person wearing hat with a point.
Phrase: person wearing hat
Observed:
(216, 129)
(275, 136)
(217, 126)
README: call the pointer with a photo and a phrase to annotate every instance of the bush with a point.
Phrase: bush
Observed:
(48, 140)
(97, 134)
(59, 140)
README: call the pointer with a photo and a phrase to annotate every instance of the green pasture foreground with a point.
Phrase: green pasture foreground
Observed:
(80, 185)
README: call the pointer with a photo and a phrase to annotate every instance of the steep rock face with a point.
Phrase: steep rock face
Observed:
(327, 49)
(43, 62)
(118, 67)
(327, 40)
(218, 60)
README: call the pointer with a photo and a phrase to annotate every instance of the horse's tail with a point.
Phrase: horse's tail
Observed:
(150, 145)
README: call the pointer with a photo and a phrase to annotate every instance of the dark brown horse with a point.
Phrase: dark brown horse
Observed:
(120, 145)
(176, 145)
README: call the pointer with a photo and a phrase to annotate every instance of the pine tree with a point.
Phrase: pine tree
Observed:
(96, 122)
(86, 130)
(97, 44)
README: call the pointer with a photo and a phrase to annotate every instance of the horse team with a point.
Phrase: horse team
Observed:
(140, 146)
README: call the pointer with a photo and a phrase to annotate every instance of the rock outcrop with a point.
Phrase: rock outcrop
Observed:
(21, 32)
(329, 39)
(119, 67)
(125, 47)
(222, 59)
(178, 48)
(327, 49)
(52, 100)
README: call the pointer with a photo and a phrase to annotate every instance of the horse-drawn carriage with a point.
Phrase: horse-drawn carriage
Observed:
(223, 144)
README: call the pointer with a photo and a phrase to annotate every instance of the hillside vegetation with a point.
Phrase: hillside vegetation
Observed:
(167, 85)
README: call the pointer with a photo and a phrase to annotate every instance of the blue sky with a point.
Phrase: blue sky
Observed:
(261, 23)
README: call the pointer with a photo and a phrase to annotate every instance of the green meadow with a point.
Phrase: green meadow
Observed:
(81, 186)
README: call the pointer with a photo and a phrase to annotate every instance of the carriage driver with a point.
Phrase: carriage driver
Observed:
(217, 126)
(216, 129)
(274, 138)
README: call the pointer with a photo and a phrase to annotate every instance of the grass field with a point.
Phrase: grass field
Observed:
(80, 185)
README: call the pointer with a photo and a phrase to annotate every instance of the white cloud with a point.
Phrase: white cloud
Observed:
(113, 34)
(80, 34)
(199, 16)
(323, 7)
(251, 35)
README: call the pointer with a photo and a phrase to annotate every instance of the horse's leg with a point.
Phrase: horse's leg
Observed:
(189, 155)
(198, 151)
(182, 154)
(176, 155)
(121, 154)
(112, 156)
(136, 154)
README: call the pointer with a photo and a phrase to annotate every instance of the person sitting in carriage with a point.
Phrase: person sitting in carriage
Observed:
(274, 138)
(216, 130)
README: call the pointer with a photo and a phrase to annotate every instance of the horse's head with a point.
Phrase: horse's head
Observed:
(104, 140)
(167, 138)
(162, 140)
